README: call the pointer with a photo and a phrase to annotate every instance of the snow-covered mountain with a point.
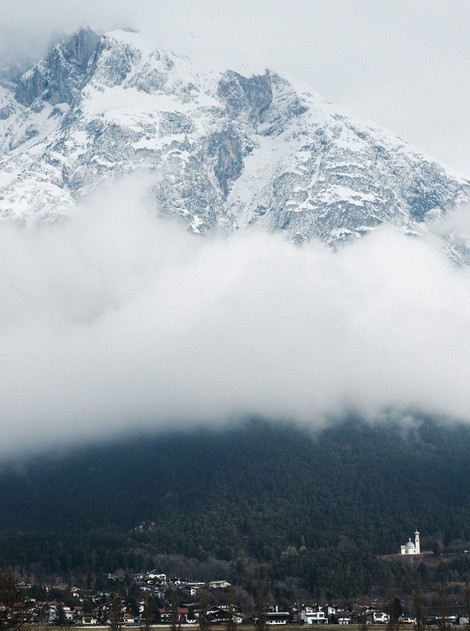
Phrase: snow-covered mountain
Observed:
(227, 150)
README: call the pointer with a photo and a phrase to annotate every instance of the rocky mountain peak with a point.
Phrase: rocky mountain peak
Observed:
(236, 150)
(60, 76)
(250, 96)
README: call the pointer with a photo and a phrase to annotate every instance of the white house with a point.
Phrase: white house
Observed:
(156, 575)
(310, 616)
(87, 619)
(220, 584)
(277, 617)
(378, 617)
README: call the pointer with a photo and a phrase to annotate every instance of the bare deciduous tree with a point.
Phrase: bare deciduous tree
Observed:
(115, 613)
(148, 611)
(466, 605)
(174, 609)
(418, 606)
(15, 609)
(393, 609)
(203, 620)
(443, 605)
(261, 608)
(362, 618)
(231, 624)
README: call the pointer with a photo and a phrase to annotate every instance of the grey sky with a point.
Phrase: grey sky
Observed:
(400, 63)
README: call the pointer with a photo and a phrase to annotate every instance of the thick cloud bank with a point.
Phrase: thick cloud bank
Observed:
(116, 321)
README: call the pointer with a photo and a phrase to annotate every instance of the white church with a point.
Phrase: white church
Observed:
(410, 547)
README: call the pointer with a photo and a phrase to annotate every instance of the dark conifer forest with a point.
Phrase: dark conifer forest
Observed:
(322, 507)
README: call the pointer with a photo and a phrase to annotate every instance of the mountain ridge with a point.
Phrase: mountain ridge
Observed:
(228, 151)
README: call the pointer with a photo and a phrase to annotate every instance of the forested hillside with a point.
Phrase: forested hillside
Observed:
(303, 504)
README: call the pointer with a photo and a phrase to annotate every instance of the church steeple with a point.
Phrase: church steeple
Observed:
(417, 545)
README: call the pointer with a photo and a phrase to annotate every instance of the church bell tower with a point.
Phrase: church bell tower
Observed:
(417, 548)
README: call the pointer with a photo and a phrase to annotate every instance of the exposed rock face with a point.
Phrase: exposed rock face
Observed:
(250, 96)
(226, 146)
(227, 150)
(62, 74)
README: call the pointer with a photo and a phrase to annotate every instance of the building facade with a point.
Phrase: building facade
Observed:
(410, 547)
